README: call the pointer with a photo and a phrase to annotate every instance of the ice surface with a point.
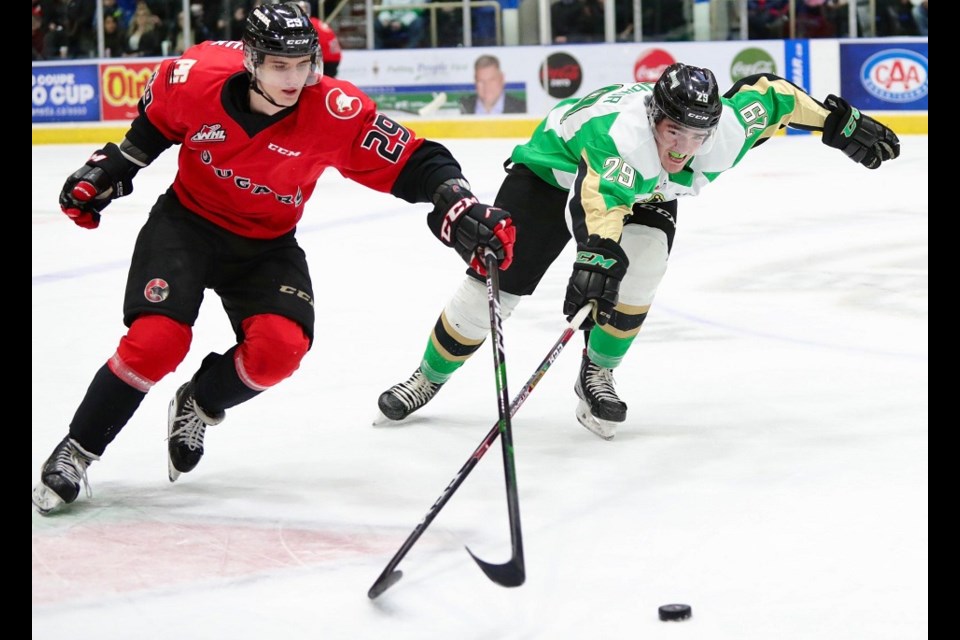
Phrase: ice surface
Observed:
(772, 472)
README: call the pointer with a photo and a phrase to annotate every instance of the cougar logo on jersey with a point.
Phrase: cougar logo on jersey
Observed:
(209, 133)
(157, 290)
(342, 106)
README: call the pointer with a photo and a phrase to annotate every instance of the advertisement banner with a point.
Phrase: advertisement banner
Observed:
(538, 77)
(797, 54)
(122, 83)
(450, 86)
(66, 93)
(434, 83)
(884, 76)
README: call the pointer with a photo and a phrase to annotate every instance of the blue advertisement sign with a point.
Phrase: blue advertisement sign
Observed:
(885, 76)
(796, 56)
(69, 93)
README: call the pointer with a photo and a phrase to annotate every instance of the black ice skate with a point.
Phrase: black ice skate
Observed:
(600, 409)
(402, 399)
(61, 476)
(186, 424)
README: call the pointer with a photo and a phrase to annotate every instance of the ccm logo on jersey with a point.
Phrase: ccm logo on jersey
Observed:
(282, 151)
(342, 106)
(453, 213)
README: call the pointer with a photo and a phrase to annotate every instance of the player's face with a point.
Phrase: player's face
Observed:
(489, 84)
(283, 78)
(676, 144)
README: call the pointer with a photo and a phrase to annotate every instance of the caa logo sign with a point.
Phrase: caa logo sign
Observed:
(895, 75)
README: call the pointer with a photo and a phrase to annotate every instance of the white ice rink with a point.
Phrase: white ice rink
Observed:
(772, 472)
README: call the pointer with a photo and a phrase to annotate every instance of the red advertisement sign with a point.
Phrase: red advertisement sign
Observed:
(121, 84)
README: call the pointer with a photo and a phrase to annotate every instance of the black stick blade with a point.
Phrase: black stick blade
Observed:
(510, 574)
(383, 583)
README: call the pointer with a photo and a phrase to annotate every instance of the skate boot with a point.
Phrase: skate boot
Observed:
(186, 424)
(600, 409)
(61, 476)
(400, 400)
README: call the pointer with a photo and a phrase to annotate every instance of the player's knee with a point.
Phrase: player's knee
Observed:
(272, 349)
(468, 312)
(154, 346)
(648, 252)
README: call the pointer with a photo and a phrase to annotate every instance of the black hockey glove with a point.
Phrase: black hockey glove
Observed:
(862, 138)
(105, 176)
(460, 221)
(597, 272)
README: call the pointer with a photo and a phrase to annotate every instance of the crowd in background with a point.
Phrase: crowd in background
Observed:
(67, 28)
(132, 28)
(830, 18)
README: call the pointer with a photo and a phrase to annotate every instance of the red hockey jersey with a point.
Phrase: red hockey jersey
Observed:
(329, 43)
(255, 183)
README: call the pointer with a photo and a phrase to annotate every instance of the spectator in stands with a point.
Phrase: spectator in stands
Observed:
(232, 29)
(114, 37)
(812, 20)
(399, 28)
(490, 97)
(838, 15)
(450, 27)
(768, 19)
(37, 35)
(55, 41)
(574, 21)
(122, 13)
(666, 20)
(198, 30)
(145, 36)
(69, 28)
(484, 23)
(895, 18)
(920, 16)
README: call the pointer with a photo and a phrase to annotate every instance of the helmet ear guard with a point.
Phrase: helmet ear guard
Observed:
(248, 62)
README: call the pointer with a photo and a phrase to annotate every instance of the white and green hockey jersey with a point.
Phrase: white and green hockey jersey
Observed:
(603, 146)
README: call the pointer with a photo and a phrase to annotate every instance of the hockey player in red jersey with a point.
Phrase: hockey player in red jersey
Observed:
(257, 124)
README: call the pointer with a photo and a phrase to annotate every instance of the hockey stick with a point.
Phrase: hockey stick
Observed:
(513, 572)
(391, 574)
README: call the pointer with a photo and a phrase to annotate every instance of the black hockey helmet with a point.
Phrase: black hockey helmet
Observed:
(282, 29)
(687, 95)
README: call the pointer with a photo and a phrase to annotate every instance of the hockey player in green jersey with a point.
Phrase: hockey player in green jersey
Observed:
(611, 165)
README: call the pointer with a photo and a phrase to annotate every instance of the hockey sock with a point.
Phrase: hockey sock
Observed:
(105, 409)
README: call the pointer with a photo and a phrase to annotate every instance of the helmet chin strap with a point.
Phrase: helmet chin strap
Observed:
(255, 87)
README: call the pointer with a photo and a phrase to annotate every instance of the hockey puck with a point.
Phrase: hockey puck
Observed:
(675, 612)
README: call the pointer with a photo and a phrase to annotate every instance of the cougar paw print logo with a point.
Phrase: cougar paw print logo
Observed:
(157, 290)
(342, 106)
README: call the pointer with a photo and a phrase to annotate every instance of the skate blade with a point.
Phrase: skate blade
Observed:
(603, 428)
(172, 472)
(45, 501)
(381, 419)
